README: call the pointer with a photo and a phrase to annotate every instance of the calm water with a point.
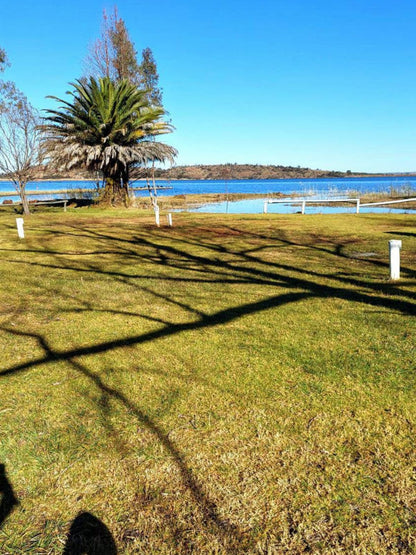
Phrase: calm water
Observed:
(255, 206)
(318, 188)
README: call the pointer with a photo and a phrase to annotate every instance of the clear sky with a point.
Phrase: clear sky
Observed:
(327, 84)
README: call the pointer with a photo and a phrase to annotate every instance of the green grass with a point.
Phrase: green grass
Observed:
(230, 385)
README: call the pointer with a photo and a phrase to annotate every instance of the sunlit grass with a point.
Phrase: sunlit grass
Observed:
(233, 384)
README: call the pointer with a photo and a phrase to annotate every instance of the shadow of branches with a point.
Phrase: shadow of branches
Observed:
(191, 259)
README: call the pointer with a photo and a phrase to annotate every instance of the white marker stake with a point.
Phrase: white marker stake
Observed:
(157, 216)
(395, 247)
(170, 219)
(265, 207)
(20, 230)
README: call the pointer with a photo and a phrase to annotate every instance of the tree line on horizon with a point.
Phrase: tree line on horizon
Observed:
(109, 126)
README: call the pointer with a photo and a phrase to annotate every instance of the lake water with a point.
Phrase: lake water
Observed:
(256, 206)
(308, 188)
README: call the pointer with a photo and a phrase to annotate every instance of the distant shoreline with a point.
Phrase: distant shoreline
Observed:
(162, 178)
(225, 172)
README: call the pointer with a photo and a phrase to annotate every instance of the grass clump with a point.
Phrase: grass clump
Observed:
(230, 385)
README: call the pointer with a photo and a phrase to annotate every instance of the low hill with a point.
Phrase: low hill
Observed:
(219, 171)
(245, 171)
(257, 171)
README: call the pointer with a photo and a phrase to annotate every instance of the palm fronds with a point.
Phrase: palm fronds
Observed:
(107, 126)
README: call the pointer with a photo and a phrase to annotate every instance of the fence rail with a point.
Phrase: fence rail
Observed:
(57, 202)
(74, 191)
(389, 202)
(356, 201)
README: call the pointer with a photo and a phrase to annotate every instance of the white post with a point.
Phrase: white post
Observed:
(157, 216)
(170, 219)
(265, 207)
(20, 230)
(395, 247)
(358, 205)
(303, 206)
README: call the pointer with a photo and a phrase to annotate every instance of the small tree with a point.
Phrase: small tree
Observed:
(149, 78)
(19, 140)
(149, 82)
(114, 55)
(125, 55)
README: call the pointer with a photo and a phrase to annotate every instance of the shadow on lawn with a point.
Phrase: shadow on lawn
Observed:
(219, 264)
(9, 500)
(399, 233)
(89, 536)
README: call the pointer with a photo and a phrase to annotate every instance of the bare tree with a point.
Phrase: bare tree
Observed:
(19, 140)
(113, 54)
(125, 55)
(98, 62)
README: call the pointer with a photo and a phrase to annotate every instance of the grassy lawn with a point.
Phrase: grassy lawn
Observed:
(230, 385)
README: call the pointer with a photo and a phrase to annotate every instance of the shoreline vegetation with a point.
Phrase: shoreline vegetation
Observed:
(194, 201)
(77, 199)
(218, 172)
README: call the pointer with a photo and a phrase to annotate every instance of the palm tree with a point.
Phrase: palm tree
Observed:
(109, 127)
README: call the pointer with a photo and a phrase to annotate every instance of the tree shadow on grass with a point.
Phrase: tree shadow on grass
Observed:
(209, 511)
(218, 264)
(244, 267)
(405, 233)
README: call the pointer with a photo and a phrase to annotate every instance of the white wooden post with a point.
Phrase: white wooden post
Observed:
(265, 207)
(157, 216)
(170, 219)
(358, 206)
(303, 206)
(395, 247)
(20, 230)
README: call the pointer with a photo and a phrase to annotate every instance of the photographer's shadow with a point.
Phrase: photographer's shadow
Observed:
(89, 536)
(8, 499)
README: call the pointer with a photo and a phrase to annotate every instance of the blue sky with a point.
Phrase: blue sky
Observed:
(325, 84)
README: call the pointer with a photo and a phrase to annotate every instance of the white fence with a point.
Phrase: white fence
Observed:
(356, 201)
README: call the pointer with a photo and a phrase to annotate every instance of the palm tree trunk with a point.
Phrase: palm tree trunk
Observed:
(116, 192)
